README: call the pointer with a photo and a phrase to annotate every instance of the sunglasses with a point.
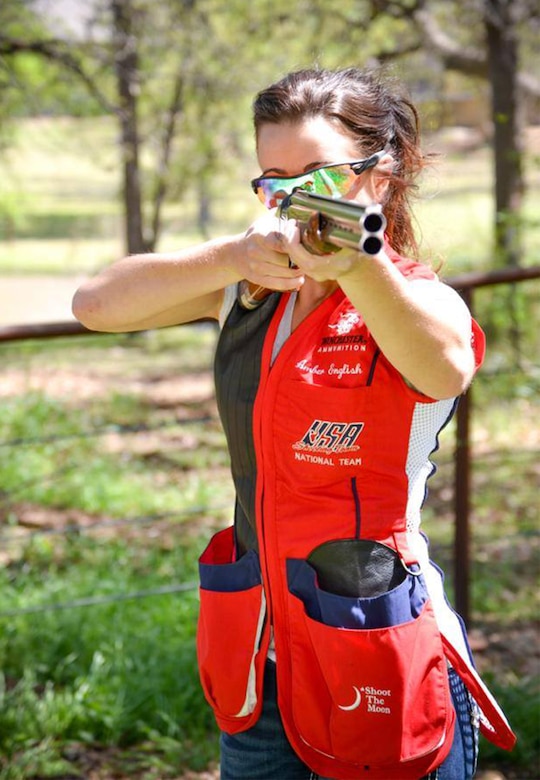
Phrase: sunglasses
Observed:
(333, 180)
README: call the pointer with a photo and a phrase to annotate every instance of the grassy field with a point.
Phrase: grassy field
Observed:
(114, 474)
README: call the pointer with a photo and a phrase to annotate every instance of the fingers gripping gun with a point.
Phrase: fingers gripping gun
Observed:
(327, 224)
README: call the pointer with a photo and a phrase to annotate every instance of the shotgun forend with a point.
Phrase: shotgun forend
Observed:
(328, 224)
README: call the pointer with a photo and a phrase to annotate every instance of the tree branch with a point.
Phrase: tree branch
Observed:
(453, 55)
(55, 51)
(461, 58)
(161, 181)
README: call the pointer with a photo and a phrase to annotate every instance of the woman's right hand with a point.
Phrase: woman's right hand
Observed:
(263, 258)
(156, 290)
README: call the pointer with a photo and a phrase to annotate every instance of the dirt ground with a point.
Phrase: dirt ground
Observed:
(33, 299)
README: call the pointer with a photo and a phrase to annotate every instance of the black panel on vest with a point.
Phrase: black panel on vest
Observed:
(237, 370)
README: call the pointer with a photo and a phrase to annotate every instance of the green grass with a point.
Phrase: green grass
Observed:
(119, 674)
(77, 470)
(130, 667)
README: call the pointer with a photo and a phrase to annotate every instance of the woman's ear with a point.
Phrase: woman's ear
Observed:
(372, 185)
(380, 177)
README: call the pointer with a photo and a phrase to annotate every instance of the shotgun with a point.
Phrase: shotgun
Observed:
(326, 226)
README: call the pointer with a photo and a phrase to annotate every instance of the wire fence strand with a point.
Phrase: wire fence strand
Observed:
(78, 529)
(95, 601)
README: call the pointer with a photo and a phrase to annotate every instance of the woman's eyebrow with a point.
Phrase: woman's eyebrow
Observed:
(307, 168)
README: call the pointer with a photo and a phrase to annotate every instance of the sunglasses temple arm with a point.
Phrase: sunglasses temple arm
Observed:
(327, 224)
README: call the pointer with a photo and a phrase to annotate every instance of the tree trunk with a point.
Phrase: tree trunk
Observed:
(503, 73)
(126, 67)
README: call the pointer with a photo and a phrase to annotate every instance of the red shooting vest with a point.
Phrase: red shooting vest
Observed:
(325, 446)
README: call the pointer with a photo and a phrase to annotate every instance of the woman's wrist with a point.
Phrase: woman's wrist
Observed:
(361, 265)
(225, 256)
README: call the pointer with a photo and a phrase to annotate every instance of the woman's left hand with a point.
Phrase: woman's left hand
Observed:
(321, 268)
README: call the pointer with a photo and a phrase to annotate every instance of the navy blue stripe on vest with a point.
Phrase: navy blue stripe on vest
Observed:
(393, 608)
(240, 575)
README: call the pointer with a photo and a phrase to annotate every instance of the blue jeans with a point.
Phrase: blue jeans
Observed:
(264, 753)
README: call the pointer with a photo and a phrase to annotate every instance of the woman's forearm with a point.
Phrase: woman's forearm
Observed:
(423, 329)
(155, 290)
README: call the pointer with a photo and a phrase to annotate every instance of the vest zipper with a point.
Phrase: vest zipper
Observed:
(357, 508)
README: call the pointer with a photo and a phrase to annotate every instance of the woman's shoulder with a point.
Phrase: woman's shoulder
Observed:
(410, 268)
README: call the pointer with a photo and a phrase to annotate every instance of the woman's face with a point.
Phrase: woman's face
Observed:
(294, 148)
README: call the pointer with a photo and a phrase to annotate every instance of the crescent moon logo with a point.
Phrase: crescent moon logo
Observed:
(356, 702)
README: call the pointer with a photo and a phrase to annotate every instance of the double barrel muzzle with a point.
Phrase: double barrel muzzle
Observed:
(327, 224)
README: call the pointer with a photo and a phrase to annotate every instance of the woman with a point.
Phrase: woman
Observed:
(326, 646)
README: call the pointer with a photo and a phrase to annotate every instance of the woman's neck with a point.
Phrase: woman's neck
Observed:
(311, 295)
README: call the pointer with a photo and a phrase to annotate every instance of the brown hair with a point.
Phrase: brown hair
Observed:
(373, 111)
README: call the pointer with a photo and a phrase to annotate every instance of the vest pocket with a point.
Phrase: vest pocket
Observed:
(369, 675)
(230, 629)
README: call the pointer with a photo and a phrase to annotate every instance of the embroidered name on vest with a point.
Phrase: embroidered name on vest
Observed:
(346, 369)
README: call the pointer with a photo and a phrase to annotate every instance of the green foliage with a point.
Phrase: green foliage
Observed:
(94, 480)
(200, 64)
(37, 87)
(520, 700)
(32, 84)
(121, 678)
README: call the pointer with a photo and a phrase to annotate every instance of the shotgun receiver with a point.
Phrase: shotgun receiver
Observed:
(328, 224)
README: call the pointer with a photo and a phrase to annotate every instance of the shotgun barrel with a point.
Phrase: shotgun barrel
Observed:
(328, 224)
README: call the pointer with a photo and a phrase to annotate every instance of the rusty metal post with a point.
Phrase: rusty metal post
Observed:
(462, 501)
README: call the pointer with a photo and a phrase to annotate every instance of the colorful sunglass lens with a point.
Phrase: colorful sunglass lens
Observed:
(333, 180)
